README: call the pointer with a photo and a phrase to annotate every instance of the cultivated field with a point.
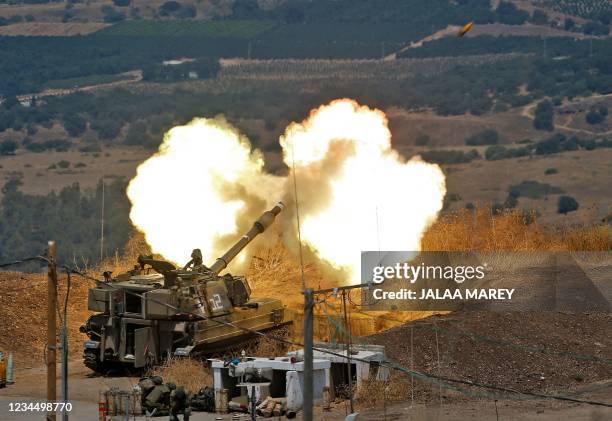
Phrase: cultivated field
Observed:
(39, 177)
(243, 29)
(51, 28)
(293, 69)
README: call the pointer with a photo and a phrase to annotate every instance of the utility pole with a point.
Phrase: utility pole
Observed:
(102, 225)
(348, 351)
(64, 336)
(51, 332)
(308, 364)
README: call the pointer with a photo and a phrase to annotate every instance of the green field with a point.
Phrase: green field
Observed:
(242, 29)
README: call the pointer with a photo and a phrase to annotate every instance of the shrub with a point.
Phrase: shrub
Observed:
(493, 153)
(596, 115)
(486, 137)
(557, 143)
(121, 3)
(35, 147)
(8, 147)
(550, 171)
(90, 148)
(80, 165)
(63, 164)
(450, 156)
(567, 204)
(533, 189)
(59, 145)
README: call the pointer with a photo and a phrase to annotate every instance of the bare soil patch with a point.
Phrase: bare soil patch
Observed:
(51, 28)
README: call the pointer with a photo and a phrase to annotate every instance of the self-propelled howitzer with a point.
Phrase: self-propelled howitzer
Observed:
(157, 310)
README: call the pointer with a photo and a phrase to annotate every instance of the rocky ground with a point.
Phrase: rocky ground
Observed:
(543, 352)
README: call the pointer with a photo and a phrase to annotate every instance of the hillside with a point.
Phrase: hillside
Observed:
(538, 352)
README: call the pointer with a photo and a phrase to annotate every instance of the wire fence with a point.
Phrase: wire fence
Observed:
(448, 383)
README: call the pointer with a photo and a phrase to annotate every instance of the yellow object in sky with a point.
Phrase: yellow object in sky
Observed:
(464, 30)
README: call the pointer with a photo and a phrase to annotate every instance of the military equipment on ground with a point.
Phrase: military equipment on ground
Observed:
(157, 310)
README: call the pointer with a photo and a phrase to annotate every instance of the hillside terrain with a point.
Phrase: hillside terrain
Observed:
(516, 112)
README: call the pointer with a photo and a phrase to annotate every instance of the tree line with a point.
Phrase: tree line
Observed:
(71, 217)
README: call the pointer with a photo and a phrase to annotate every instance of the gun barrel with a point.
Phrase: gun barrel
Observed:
(262, 223)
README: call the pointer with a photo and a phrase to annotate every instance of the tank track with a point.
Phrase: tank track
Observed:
(253, 346)
(92, 361)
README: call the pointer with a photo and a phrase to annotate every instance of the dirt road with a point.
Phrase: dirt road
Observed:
(84, 387)
(133, 77)
(528, 111)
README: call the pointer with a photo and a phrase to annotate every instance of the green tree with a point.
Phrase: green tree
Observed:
(509, 14)
(74, 124)
(8, 147)
(544, 116)
(107, 128)
(596, 115)
(495, 152)
(539, 17)
(567, 204)
(486, 137)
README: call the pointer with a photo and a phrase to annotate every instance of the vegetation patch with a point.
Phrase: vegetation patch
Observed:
(447, 156)
(533, 189)
(241, 29)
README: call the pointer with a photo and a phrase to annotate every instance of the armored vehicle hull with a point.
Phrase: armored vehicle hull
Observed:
(156, 311)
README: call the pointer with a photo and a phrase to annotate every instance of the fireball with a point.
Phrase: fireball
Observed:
(355, 193)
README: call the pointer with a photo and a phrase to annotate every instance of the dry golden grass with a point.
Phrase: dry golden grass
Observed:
(275, 272)
(266, 347)
(191, 374)
(372, 393)
(480, 231)
(125, 261)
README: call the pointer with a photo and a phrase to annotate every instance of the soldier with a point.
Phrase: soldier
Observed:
(157, 399)
(196, 262)
(179, 404)
(196, 259)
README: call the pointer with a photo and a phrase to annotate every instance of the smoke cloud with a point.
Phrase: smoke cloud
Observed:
(206, 185)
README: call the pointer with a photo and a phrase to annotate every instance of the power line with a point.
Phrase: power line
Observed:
(18, 262)
(389, 364)
(297, 217)
(428, 377)
(495, 341)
